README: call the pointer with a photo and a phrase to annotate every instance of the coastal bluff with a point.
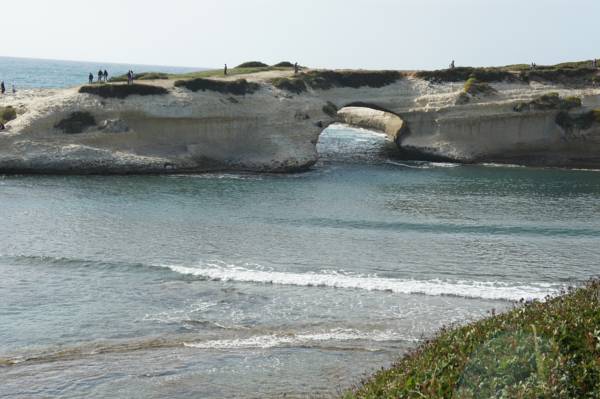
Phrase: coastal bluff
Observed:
(270, 121)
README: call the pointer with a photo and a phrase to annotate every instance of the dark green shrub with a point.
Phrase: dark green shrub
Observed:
(461, 74)
(123, 91)
(77, 122)
(141, 76)
(325, 80)
(292, 85)
(330, 109)
(238, 87)
(7, 114)
(284, 64)
(474, 87)
(253, 64)
(582, 121)
(550, 101)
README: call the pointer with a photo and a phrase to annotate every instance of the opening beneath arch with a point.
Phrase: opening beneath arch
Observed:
(363, 133)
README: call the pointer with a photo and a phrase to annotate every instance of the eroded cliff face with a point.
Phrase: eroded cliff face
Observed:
(487, 128)
(274, 130)
(178, 132)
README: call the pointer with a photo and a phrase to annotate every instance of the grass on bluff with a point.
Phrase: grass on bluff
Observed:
(550, 101)
(253, 64)
(326, 80)
(474, 87)
(7, 114)
(122, 91)
(141, 76)
(238, 87)
(538, 350)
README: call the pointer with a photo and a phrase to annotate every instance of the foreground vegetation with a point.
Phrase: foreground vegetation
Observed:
(7, 114)
(538, 350)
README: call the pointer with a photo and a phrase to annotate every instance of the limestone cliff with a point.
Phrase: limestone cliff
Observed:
(275, 126)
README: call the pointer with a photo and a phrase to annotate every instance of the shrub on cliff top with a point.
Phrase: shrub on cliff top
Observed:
(7, 114)
(252, 64)
(325, 80)
(284, 64)
(77, 122)
(550, 101)
(238, 87)
(461, 74)
(474, 87)
(141, 76)
(538, 350)
(122, 91)
(292, 85)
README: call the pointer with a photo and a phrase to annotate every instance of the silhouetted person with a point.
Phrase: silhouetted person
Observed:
(91, 78)
(105, 75)
(14, 89)
(225, 70)
(2, 87)
(100, 75)
(296, 68)
(452, 65)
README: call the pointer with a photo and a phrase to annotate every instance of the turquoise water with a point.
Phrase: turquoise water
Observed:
(240, 285)
(27, 73)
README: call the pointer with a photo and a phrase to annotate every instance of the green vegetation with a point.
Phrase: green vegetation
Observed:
(474, 87)
(238, 87)
(77, 122)
(461, 74)
(325, 80)
(284, 64)
(568, 73)
(582, 121)
(330, 109)
(141, 76)
(122, 91)
(550, 101)
(538, 350)
(7, 114)
(253, 64)
(293, 85)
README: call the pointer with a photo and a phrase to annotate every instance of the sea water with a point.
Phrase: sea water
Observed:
(29, 73)
(242, 285)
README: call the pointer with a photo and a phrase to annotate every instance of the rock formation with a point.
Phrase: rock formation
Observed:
(272, 124)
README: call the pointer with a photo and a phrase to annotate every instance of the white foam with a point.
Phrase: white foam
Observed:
(468, 289)
(278, 340)
(424, 165)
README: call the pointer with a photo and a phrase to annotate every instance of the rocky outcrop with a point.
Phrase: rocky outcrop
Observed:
(268, 127)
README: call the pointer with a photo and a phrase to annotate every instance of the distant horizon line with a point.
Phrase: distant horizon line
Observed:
(196, 68)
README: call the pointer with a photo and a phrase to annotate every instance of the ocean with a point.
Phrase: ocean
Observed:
(243, 285)
(29, 73)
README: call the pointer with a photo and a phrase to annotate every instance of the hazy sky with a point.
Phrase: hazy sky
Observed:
(398, 34)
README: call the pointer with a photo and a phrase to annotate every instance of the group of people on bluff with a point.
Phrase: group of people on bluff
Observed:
(103, 77)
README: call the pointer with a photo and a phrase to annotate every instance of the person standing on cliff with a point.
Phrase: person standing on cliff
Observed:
(100, 75)
(225, 70)
(91, 78)
(2, 87)
(296, 68)
(452, 65)
(105, 75)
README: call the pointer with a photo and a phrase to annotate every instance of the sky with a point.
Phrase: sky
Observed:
(369, 34)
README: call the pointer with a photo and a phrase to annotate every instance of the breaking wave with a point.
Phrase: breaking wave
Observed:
(468, 289)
